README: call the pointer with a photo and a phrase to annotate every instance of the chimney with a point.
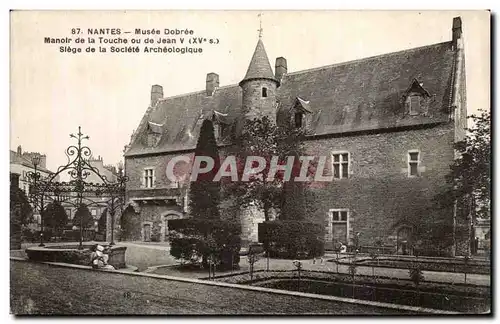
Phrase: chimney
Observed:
(14, 180)
(19, 150)
(456, 30)
(43, 161)
(212, 83)
(280, 68)
(156, 93)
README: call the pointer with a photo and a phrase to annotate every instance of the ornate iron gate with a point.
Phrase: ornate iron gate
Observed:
(77, 192)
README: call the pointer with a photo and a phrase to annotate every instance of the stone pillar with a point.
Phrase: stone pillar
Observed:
(162, 229)
(108, 226)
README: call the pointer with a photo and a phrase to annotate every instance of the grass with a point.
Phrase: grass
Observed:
(44, 289)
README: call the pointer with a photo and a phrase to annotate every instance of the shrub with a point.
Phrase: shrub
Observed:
(81, 257)
(195, 238)
(29, 235)
(416, 274)
(292, 239)
(184, 248)
(83, 217)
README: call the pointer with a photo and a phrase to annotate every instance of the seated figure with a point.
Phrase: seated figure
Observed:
(99, 258)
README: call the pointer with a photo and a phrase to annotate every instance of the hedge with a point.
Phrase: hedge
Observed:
(81, 257)
(192, 239)
(292, 239)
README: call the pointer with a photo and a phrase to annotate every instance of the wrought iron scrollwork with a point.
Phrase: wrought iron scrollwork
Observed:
(77, 192)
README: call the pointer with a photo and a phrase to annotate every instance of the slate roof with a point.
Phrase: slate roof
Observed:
(259, 67)
(17, 159)
(358, 95)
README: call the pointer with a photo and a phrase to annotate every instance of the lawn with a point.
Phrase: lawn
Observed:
(44, 289)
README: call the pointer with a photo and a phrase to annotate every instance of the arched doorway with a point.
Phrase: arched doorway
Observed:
(165, 217)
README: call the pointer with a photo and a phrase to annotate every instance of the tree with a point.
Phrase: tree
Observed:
(204, 193)
(262, 138)
(266, 191)
(416, 276)
(21, 213)
(83, 217)
(55, 217)
(216, 240)
(252, 258)
(374, 257)
(102, 222)
(469, 190)
(466, 267)
(471, 172)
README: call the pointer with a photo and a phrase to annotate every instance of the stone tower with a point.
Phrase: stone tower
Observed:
(259, 86)
(259, 98)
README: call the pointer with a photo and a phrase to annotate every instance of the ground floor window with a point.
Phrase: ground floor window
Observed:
(338, 225)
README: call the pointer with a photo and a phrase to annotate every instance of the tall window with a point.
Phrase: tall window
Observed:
(264, 92)
(340, 165)
(413, 163)
(149, 178)
(414, 105)
(338, 225)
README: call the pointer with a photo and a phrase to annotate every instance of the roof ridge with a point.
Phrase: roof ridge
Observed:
(368, 58)
(196, 92)
(317, 68)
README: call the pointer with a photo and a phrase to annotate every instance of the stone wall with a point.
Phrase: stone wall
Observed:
(135, 166)
(378, 193)
(253, 103)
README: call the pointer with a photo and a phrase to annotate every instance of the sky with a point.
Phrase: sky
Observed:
(52, 93)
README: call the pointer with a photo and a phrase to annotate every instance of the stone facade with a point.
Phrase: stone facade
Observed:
(379, 195)
(253, 102)
(392, 155)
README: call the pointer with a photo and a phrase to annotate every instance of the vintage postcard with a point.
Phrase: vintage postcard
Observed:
(250, 162)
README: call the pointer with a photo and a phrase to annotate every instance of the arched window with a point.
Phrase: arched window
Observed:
(264, 92)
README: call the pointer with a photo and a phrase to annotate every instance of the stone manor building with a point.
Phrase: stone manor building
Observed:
(386, 123)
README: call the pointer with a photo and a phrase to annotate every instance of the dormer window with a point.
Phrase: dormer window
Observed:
(416, 99)
(264, 92)
(414, 104)
(301, 114)
(220, 122)
(298, 119)
(154, 132)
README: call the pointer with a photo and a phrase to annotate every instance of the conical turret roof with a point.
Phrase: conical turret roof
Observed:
(259, 67)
